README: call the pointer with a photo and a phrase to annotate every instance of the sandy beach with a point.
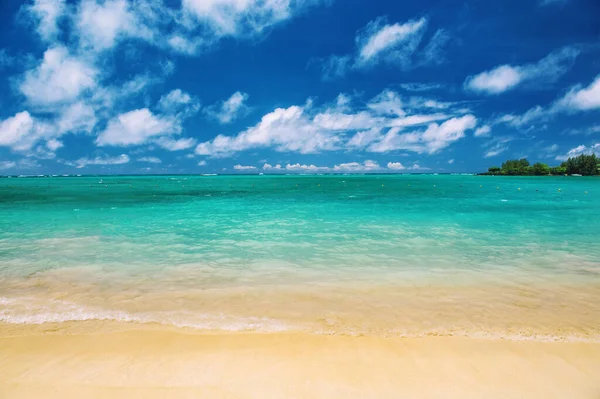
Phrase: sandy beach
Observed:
(156, 362)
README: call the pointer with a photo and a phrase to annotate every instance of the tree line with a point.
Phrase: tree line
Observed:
(586, 165)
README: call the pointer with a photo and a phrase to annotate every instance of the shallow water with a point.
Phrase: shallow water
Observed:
(380, 254)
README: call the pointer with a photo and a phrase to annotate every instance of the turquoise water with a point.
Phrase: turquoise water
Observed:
(121, 245)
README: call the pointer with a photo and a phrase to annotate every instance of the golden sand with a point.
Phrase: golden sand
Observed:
(96, 361)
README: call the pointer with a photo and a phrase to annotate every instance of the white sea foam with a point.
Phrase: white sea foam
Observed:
(31, 311)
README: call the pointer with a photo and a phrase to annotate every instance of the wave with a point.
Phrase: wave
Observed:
(29, 311)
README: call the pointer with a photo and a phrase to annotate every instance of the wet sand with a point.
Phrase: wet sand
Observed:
(100, 360)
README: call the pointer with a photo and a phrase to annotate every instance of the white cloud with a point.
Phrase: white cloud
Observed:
(395, 166)
(77, 117)
(395, 42)
(483, 131)
(388, 102)
(118, 160)
(364, 138)
(202, 163)
(230, 109)
(149, 160)
(286, 129)
(433, 53)
(400, 166)
(335, 66)
(22, 131)
(175, 144)
(47, 13)
(101, 23)
(586, 131)
(136, 127)
(367, 165)
(58, 79)
(495, 81)
(582, 99)
(7, 165)
(507, 77)
(184, 45)
(495, 150)
(305, 168)
(175, 101)
(432, 140)
(271, 167)
(416, 86)
(22, 164)
(54, 144)
(579, 150)
(450, 161)
(241, 17)
(376, 127)
(243, 167)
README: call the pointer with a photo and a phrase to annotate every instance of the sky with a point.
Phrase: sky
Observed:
(295, 86)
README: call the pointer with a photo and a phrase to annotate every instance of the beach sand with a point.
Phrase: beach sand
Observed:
(115, 360)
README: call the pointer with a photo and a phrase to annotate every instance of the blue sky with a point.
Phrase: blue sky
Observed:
(283, 86)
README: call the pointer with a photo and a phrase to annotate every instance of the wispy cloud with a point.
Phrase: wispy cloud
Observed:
(149, 160)
(380, 42)
(577, 99)
(507, 77)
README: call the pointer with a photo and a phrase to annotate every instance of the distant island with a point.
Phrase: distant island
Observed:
(584, 165)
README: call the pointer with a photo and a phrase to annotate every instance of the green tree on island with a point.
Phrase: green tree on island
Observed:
(586, 165)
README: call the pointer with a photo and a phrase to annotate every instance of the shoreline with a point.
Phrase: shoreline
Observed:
(170, 362)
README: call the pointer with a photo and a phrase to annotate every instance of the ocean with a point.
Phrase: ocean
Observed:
(390, 255)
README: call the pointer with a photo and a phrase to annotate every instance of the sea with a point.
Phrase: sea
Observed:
(488, 257)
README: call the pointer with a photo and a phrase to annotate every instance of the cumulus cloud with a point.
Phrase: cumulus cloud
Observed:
(47, 14)
(244, 167)
(285, 129)
(367, 165)
(174, 100)
(267, 166)
(297, 167)
(380, 125)
(59, 78)
(21, 131)
(101, 24)
(506, 77)
(230, 109)
(380, 42)
(77, 117)
(101, 160)
(54, 144)
(431, 140)
(136, 127)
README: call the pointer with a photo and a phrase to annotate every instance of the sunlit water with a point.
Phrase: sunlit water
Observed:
(386, 254)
